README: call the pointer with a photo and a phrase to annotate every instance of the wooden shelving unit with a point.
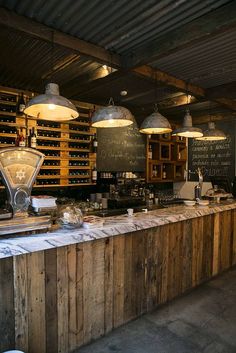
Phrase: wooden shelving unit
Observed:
(169, 155)
(67, 146)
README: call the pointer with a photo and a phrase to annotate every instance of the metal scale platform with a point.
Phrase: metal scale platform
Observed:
(19, 167)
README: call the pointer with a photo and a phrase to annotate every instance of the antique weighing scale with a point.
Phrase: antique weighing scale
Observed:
(19, 167)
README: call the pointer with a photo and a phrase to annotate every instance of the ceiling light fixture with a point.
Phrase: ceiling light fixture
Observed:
(51, 106)
(112, 116)
(212, 134)
(188, 130)
(155, 124)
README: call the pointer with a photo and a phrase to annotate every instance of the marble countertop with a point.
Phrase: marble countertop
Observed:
(110, 226)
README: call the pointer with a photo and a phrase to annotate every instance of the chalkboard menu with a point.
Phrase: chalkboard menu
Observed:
(121, 149)
(215, 158)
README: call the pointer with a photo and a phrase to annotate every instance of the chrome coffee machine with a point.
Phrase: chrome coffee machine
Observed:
(19, 167)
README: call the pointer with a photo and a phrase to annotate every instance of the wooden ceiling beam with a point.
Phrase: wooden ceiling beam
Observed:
(169, 80)
(40, 31)
(203, 28)
(227, 89)
(201, 119)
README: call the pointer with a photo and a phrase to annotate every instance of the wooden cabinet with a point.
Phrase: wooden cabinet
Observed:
(67, 146)
(166, 158)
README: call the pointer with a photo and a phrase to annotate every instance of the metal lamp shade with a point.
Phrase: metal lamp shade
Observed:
(212, 134)
(51, 106)
(155, 124)
(188, 130)
(112, 116)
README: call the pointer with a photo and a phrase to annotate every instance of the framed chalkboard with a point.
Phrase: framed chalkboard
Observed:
(215, 158)
(121, 149)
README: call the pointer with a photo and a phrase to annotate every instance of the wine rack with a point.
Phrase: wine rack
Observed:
(69, 159)
(168, 158)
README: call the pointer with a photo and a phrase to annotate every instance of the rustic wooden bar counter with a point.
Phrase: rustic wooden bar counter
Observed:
(61, 290)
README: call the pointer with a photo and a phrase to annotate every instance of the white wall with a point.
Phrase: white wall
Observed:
(185, 189)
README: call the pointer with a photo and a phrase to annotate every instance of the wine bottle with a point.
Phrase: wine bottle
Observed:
(33, 139)
(150, 152)
(164, 172)
(21, 105)
(21, 139)
(94, 144)
(29, 138)
(94, 174)
(17, 140)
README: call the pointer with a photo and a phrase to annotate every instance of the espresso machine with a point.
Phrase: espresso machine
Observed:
(19, 167)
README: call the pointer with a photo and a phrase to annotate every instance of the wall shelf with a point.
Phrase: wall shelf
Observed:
(67, 148)
(168, 160)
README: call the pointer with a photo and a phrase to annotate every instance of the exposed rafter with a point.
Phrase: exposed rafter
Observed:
(205, 27)
(172, 81)
(40, 31)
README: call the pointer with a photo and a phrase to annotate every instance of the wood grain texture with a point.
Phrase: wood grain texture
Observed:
(21, 302)
(51, 301)
(62, 299)
(233, 237)
(7, 325)
(118, 280)
(55, 301)
(36, 302)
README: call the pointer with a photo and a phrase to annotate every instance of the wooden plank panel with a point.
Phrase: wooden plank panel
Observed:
(72, 297)
(7, 322)
(208, 237)
(174, 260)
(118, 281)
(197, 250)
(97, 289)
(153, 277)
(186, 250)
(128, 279)
(163, 263)
(225, 240)
(139, 272)
(79, 294)
(108, 285)
(51, 300)
(216, 245)
(21, 302)
(87, 291)
(36, 302)
(62, 299)
(233, 237)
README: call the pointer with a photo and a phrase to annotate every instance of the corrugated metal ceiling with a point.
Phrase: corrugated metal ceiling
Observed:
(118, 25)
(207, 64)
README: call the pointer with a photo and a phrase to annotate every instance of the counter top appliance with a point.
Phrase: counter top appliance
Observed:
(19, 167)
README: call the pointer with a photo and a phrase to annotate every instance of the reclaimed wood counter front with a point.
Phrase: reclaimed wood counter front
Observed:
(59, 298)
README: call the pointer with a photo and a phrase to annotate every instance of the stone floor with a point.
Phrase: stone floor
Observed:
(201, 321)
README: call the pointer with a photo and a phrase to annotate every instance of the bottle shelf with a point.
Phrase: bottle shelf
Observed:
(2, 112)
(168, 158)
(2, 123)
(67, 146)
(7, 102)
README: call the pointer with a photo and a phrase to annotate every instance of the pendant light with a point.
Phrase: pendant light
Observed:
(50, 105)
(112, 116)
(188, 130)
(155, 123)
(212, 134)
